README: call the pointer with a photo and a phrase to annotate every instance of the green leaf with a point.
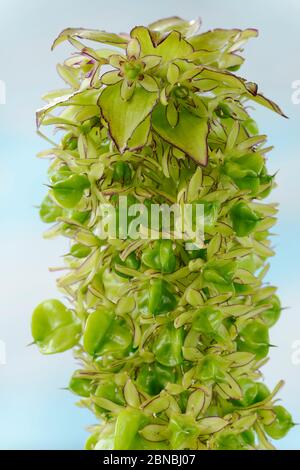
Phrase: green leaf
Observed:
(123, 117)
(262, 100)
(223, 78)
(91, 34)
(54, 328)
(219, 47)
(105, 333)
(140, 135)
(165, 25)
(244, 219)
(69, 192)
(49, 211)
(190, 134)
(78, 98)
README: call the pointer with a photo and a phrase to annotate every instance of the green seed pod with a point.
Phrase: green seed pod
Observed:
(152, 378)
(131, 262)
(220, 274)
(262, 392)
(230, 442)
(211, 370)
(245, 171)
(271, 316)
(106, 334)
(69, 142)
(109, 391)
(282, 424)
(160, 257)
(244, 220)
(127, 426)
(81, 386)
(254, 338)
(207, 320)
(167, 347)
(169, 313)
(161, 299)
(58, 172)
(49, 211)
(54, 328)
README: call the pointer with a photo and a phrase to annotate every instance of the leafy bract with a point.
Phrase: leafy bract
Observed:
(220, 39)
(123, 117)
(262, 100)
(225, 43)
(187, 28)
(76, 98)
(189, 135)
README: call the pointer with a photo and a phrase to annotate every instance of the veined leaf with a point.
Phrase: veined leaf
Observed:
(218, 39)
(211, 425)
(225, 43)
(81, 97)
(190, 134)
(69, 192)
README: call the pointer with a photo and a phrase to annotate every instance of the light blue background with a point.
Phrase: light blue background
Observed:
(34, 412)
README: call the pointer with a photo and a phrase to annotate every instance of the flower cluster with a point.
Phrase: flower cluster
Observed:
(170, 340)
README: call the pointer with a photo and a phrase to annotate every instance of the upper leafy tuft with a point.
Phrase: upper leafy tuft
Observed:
(182, 79)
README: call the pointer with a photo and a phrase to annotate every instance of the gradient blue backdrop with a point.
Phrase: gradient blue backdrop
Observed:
(34, 412)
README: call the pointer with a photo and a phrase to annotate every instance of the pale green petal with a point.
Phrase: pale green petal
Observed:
(111, 78)
(149, 83)
(190, 134)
